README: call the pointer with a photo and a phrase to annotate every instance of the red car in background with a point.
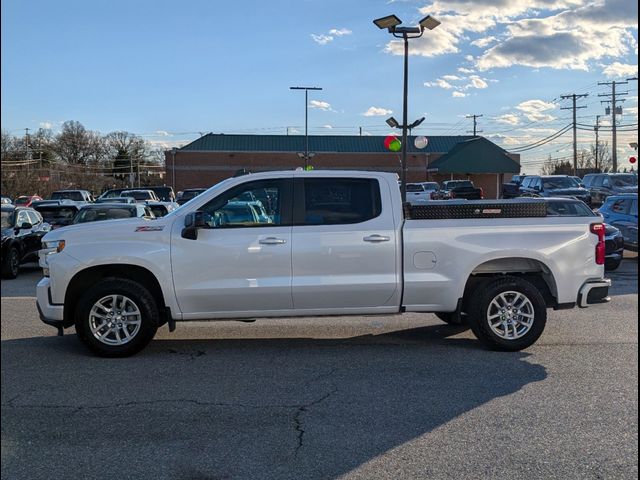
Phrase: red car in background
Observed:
(25, 200)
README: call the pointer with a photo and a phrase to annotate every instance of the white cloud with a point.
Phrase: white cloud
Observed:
(509, 119)
(617, 69)
(457, 94)
(162, 133)
(465, 70)
(339, 32)
(320, 105)
(477, 82)
(325, 38)
(377, 112)
(440, 83)
(534, 110)
(46, 125)
(483, 42)
(328, 127)
(321, 39)
(451, 78)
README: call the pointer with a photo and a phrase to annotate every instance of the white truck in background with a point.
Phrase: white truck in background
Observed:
(331, 243)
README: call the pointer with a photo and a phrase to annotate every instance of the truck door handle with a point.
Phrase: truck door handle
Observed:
(272, 241)
(376, 238)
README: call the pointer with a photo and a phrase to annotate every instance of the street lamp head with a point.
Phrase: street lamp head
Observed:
(429, 23)
(388, 22)
(392, 122)
(416, 123)
(634, 145)
(300, 154)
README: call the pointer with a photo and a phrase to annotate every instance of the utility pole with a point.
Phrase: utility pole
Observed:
(475, 123)
(574, 97)
(596, 128)
(306, 121)
(614, 111)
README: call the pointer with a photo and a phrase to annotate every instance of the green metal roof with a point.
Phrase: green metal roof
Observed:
(477, 155)
(317, 143)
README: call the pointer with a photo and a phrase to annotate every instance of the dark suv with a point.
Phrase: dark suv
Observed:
(22, 232)
(601, 185)
(553, 186)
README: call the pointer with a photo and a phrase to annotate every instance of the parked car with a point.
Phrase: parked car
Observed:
(344, 247)
(460, 189)
(164, 193)
(5, 200)
(614, 247)
(111, 211)
(417, 194)
(58, 215)
(116, 200)
(188, 194)
(160, 209)
(578, 180)
(80, 196)
(511, 189)
(621, 211)
(601, 185)
(141, 195)
(25, 200)
(22, 232)
(553, 186)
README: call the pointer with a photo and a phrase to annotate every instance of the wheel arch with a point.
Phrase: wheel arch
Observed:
(535, 271)
(88, 277)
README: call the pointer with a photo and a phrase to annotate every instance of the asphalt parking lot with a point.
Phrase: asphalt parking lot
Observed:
(356, 398)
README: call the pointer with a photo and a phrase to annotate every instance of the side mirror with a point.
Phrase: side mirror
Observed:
(537, 188)
(25, 226)
(194, 221)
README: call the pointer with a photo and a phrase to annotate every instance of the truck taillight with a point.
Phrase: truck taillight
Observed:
(598, 229)
(481, 193)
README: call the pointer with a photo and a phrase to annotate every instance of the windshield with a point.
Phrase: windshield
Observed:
(99, 214)
(7, 219)
(457, 184)
(21, 201)
(58, 216)
(139, 195)
(75, 196)
(189, 194)
(558, 182)
(624, 181)
(412, 187)
(431, 186)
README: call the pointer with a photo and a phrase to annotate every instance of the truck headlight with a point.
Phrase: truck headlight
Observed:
(50, 248)
(56, 246)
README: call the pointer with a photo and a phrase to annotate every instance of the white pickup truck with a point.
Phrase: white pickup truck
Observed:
(295, 243)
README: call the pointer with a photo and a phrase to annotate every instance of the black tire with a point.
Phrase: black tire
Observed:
(479, 305)
(11, 264)
(141, 298)
(610, 265)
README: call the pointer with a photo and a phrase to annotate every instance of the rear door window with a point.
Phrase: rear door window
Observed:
(597, 181)
(620, 206)
(633, 210)
(340, 201)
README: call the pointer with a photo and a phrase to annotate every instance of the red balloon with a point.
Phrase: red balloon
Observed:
(632, 159)
(388, 140)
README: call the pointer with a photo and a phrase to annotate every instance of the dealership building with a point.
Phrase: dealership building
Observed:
(214, 157)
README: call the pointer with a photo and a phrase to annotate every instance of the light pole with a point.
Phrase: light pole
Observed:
(306, 121)
(391, 23)
(173, 168)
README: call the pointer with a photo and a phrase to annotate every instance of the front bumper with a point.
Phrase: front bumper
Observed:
(50, 313)
(594, 292)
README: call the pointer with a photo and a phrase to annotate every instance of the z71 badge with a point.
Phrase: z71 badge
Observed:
(150, 229)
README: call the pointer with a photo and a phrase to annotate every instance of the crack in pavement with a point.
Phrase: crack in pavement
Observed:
(298, 421)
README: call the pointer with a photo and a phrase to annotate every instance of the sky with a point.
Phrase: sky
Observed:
(172, 71)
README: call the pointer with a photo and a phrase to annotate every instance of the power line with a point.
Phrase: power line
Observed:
(614, 108)
(574, 108)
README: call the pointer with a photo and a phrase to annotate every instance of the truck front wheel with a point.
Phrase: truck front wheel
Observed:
(116, 318)
(507, 313)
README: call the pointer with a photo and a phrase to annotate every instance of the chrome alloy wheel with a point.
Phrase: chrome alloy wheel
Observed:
(115, 320)
(510, 315)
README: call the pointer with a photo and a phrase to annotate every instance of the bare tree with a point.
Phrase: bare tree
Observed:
(75, 145)
(127, 150)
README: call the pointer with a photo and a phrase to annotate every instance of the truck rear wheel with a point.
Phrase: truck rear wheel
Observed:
(507, 313)
(117, 318)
